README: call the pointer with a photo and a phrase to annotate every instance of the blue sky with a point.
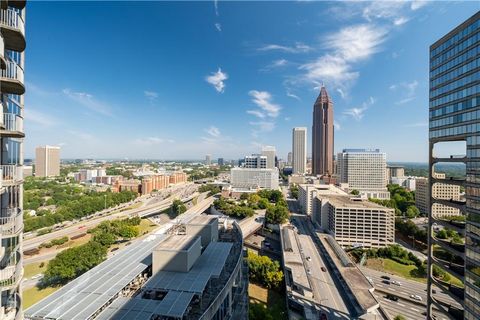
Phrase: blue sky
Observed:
(178, 80)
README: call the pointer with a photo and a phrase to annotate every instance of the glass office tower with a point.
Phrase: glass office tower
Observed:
(455, 116)
(12, 88)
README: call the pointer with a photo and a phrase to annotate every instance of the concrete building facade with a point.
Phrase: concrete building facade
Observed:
(47, 161)
(365, 171)
(299, 150)
(308, 192)
(322, 135)
(270, 153)
(254, 178)
(440, 191)
(12, 89)
(256, 161)
(454, 114)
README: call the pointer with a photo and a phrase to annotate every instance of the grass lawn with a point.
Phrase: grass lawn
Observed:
(31, 269)
(33, 295)
(396, 268)
(271, 300)
(147, 226)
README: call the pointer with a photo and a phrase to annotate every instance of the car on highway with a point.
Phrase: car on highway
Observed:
(309, 271)
(386, 281)
(323, 269)
(391, 297)
(309, 258)
(370, 280)
(396, 282)
(385, 277)
(416, 297)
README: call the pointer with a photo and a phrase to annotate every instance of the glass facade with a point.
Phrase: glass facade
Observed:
(455, 116)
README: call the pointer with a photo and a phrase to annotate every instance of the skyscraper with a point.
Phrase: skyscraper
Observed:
(365, 171)
(208, 159)
(289, 158)
(47, 161)
(299, 150)
(322, 135)
(269, 152)
(12, 88)
(454, 112)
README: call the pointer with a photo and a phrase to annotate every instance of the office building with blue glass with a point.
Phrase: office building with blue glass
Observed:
(454, 114)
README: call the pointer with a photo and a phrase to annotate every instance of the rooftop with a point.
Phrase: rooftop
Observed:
(82, 297)
(354, 203)
(177, 243)
(203, 220)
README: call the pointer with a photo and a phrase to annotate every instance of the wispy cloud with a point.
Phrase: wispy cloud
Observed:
(81, 135)
(213, 131)
(357, 113)
(151, 95)
(215, 5)
(336, 125)
(148, 141)
(263, 126)
(400, 20)
(89, 101)
(217, 79)
(218, 26)
(39, 118)
(407, 90)
(292, 95)
(415, 5)
(263, 100)
(299, 47)
(256, 113)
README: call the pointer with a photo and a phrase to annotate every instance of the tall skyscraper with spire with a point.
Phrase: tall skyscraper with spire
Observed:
(322, 135)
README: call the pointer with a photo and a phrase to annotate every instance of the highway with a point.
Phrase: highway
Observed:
(251, 224)
(326, 292)
(83, 226)
(407, 306)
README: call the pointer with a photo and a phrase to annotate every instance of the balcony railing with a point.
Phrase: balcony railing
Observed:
(13, 122)
(12, 19)
(13, 72)
(11, 221)
(2, 52)
(10, 275)
(11, 174)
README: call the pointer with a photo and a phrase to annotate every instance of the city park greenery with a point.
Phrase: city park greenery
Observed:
(270, 200)
(402, 200)
(73, 262)
(264, 271)
(56, 202)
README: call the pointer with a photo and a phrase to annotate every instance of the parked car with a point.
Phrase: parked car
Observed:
(323, 269)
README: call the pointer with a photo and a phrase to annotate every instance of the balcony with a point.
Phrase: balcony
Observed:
(11, 221)
(453, 158)
(13, 29)
(456, 249)
(13, 308)
(3, 62)
(11, 79)
(11, 275)
(13, 126)
(11, 174)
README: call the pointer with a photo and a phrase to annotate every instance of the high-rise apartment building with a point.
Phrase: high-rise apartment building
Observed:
(322, 135)
(255, 161)
(299, 150)
(454, 112)
(208, 159)
(365, 171)
(440, 191)
(221, 162)
(270, 153)
(12, 89)
(253, 178)
(289, 158)
(47, 161)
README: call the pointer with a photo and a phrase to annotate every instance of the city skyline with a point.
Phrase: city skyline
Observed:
(251, 90)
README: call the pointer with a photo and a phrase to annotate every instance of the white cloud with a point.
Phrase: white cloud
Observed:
(342, 94)
(218, 26)
(256, 113)
(291, 95)
(213, 131)
(88, 100)
(400, 20)
(415, 5)
(149, 141)
(405, 100)
(382, 9)
(81, 135)
(357, 113)
(217, 79)
(279, 63)
(408, 90)
(330, 69)
(151, 95)
(299, 47)
(336, 125)
(263, 99)
(215, 4)
(263, 126)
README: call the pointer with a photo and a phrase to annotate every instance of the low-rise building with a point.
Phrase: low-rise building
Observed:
(355, 222)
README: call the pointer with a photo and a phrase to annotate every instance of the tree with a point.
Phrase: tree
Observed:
(276, 214)
(294, 191)
(400, 317)
(244, 196)
(355, 192)
(264, 270)
(104, 238)
(442, 234)
(412, 212)
(178, 207)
